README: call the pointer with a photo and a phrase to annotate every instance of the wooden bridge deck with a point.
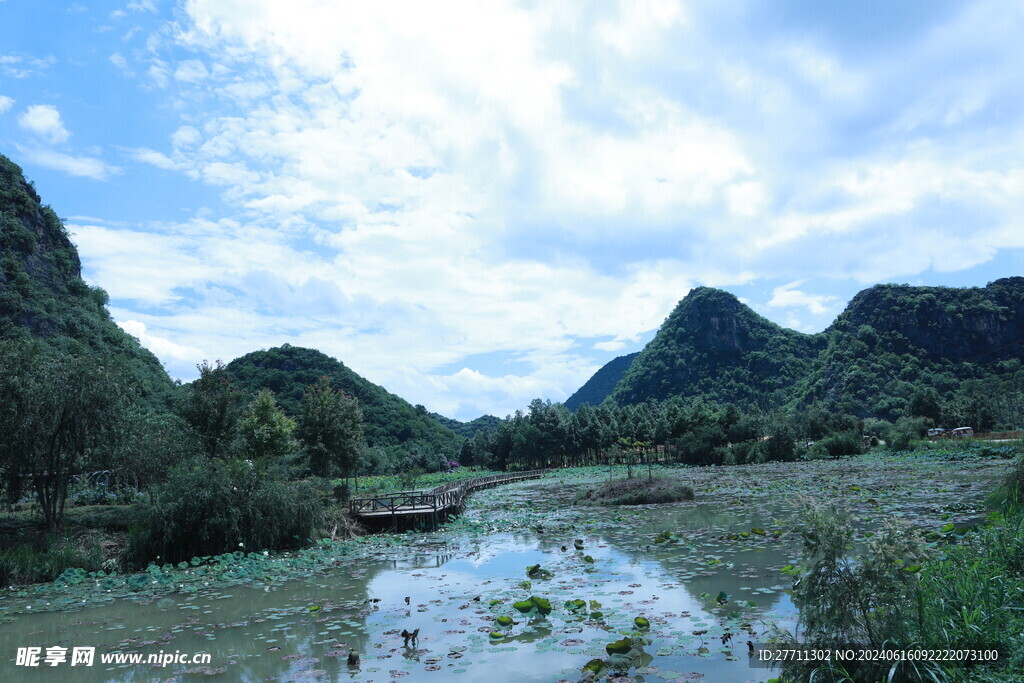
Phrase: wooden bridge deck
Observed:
(436, 504)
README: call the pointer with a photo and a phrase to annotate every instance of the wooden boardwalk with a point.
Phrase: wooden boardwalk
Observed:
(405, 508)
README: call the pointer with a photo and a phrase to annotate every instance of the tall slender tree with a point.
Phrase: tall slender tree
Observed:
(265, 431)
(212, 406)
(330, 427)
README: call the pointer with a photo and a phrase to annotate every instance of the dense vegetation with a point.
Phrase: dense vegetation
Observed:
(398, 434)
(688, 431)
(962, 591)
(43, 296)
(468, 430)
(950, 355)
(713, 346)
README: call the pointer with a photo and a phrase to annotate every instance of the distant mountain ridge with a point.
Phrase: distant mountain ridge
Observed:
(889, 341)
(469, 429)
(602, 383)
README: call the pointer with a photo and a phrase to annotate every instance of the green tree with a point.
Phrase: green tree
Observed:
(212, 405)
(266, 432)
(151, 445)
(330, 427)
(926, 403)
(56, 409)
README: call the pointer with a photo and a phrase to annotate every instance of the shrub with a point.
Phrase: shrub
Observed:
(704, 445)
(25, 564)
(861, 601)
(84, 492)
(905, 433)
(408, 478)
(208, 507)
(837, 445)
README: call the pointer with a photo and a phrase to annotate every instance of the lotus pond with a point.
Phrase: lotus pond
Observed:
(524, 587)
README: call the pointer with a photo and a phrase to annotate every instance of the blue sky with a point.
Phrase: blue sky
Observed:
(475, 204)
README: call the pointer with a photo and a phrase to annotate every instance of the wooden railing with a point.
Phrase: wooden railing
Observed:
(444, 497)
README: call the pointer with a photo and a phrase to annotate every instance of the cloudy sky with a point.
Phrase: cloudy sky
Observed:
(478, 203)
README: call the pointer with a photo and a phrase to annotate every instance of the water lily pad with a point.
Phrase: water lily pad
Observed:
(620, 647)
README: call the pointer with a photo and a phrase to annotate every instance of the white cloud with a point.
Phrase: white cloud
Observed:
(186, 136)
(85, 167)
(423, 184)
(613, 345)
(5, 104)
(153, 158)
(17, 66)
(118, 60)
(163, 348)
(191, 71)
(44, 121)
(786, 296)
(141, 6)
(159, 74)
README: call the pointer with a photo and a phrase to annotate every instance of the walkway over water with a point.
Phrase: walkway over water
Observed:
(434, 505)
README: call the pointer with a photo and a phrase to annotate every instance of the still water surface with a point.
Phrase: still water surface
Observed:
(303, 629)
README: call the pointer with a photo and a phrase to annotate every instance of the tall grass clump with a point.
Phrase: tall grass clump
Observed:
(974, 596)
(636, 491)
(208, 507)
(26, 564)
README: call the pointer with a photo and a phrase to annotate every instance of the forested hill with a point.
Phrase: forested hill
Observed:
(713, 346)
(469, 429)
(43, 296)
(602, 383)
(895, 341)
(891, 343)
(389, 421)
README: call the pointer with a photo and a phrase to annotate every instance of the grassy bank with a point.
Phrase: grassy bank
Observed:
(94, 538)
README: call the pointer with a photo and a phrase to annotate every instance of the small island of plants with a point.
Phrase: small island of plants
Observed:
(637, 491)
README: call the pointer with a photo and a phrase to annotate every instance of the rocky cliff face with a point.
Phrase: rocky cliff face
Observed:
(42, 294)
(713, 345)
(36, 255)
(890, 340)
(976, 324)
